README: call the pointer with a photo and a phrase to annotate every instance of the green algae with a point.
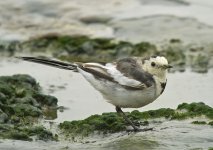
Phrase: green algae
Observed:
(151, 114)
(26, 133)
(85, 49)
(17, 135)
(105, 123)
(199, 122)
(45, 100)
(17, 86)
(144, 48)
(200, 61)
(112, 122)
(41, 132)
(210, 123)
(197, 109)
(21, 105)
(22, 110)
(82, 48)
(21, 96)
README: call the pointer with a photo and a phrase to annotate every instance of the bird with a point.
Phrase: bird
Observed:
(130, 82)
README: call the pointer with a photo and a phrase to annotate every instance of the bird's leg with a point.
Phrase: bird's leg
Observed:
(119, 111)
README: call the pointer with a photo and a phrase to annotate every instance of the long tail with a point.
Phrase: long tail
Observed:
(50, 62)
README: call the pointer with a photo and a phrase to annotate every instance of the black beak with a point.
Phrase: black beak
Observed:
(167, 66)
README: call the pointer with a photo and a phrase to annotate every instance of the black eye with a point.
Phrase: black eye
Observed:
(153, 64)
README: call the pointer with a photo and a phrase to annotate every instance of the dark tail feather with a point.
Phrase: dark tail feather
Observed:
(49, 62)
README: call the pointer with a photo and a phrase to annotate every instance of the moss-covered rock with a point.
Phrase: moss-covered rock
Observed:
(26, 133)
(106, 123)
(82, 48)
(45, 100)
(21, 104)
(144, 48)
(20, 95)
(163, 112)
(112, 122)
(199, 122)
(17, 135)
(40, 132)
(210, 123)
(23, 110)
(200, 62)
(197, 109)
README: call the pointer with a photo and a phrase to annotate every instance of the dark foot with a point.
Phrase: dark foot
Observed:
(119, 111)
(135, 126)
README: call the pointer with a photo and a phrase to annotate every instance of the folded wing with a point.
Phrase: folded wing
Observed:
(125, 71)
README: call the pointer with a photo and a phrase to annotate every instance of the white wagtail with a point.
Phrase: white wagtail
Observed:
(126, 83)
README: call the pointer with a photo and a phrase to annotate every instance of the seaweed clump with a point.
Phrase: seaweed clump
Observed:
(197, 109)
(105, 123)
(199, 122)
(111, 122)
(85, 49)
(21, 105)
(82, 48)
(26, 133)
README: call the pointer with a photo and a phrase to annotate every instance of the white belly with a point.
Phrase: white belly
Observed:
(122, 97)
(119, 96)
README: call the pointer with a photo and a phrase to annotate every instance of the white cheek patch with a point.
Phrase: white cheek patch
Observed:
(120, 78)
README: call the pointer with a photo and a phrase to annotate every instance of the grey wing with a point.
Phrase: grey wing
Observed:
(125, 72)
(130, 68)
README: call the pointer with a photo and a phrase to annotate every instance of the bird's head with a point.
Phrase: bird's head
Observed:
(156, 65)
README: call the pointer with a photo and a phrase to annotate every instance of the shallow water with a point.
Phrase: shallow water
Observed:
(81, 100)
(173, 135)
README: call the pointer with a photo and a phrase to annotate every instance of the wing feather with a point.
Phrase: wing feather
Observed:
(130, 68)
(126, 72)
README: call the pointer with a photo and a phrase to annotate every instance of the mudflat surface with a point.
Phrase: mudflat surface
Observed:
(133, 20)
